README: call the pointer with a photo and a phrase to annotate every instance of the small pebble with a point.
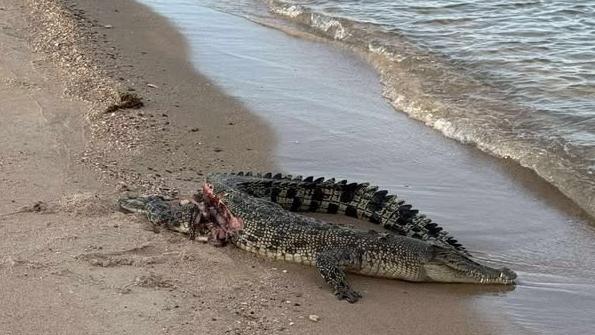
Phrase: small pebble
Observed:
(314, 317)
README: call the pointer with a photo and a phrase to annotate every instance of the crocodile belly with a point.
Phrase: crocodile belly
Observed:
(276, 253)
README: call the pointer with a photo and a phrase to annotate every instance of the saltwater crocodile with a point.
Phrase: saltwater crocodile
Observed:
(262, 208)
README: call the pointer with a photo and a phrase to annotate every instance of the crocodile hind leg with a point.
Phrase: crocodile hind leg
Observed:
(330, 264)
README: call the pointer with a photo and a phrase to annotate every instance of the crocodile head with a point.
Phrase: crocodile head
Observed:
(449, 265)
(138, 204)
(206, 212)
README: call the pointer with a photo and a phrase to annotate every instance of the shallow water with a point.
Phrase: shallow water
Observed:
(541, 51)
(331, 120)
(515, 78)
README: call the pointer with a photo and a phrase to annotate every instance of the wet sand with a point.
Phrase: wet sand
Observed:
(73, 264)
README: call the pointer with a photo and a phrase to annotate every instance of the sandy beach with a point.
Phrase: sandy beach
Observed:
(71, 263)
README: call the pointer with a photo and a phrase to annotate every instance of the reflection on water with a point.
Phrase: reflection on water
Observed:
(332, 121)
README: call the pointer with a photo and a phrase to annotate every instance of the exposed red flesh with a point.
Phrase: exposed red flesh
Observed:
(216, 216)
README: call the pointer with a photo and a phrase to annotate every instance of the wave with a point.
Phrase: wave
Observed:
(440, 92)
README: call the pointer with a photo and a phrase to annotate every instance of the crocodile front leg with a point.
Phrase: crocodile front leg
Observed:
(330, 264)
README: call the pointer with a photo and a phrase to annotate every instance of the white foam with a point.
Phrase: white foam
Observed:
(291, 11)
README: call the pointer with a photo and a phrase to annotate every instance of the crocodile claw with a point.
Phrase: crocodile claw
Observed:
(348, 294)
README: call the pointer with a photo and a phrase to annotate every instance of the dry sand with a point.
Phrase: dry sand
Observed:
(71, 264)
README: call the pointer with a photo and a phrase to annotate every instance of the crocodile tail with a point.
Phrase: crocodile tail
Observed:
(358, 200)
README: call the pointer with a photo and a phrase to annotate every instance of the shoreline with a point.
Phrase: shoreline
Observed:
(528, 177)
(438, 114)
(88, 268)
